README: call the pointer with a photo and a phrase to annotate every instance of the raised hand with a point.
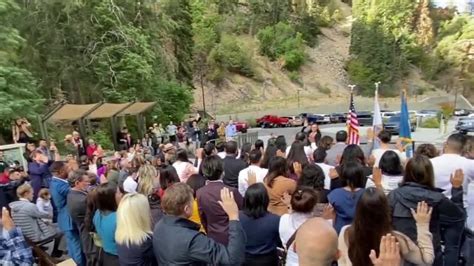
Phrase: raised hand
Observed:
(389, 252)
(457, 178)
(423, 213)
(328, 212)
(286, 199)
(371, 160)
(370, 133)
(103, 179)
(227, 203)
(298, 168)
(199, 153)
(7, 221)
(377, 176)
(251, 177)
(399, 145)
(333, 173)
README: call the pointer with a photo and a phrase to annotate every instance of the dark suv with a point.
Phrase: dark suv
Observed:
(338, 118)
(465, 125)
(365, 118)
(393, 125)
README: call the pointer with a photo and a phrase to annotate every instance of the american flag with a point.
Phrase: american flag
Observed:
(353, 123)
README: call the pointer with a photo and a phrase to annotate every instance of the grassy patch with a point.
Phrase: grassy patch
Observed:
(295, 77)
(324, 90)
(430, 123)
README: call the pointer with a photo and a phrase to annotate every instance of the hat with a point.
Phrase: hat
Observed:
(168, 147)
(129, 185)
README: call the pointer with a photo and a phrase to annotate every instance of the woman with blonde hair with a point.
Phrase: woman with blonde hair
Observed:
(148, 179)
(148, 185)
(134, 234)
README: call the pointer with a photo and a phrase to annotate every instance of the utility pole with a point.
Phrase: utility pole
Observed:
(203, 98)
(298, 96)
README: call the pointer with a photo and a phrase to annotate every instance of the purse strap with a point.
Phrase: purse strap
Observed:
(290, 240)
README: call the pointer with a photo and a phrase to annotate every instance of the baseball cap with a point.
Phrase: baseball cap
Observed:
(129, 185)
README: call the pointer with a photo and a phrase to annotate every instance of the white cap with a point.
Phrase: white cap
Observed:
(129, 185)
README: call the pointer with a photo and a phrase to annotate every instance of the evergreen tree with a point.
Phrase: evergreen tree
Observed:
(115, 51)
(182, 37)
(18, 90)
(381, 43)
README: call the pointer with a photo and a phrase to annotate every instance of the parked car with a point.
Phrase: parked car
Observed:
(427, 113)
(322, 119)
(273, 121)
(413, 113)
(338, 118)
(241, 126)
(388, 114)
(393, 125)
(365, 118)
(462, 112)
(465, 125)
(295, 121)
(311, 118)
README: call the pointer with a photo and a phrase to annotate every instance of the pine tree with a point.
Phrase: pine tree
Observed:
(180, 12)
(18, 90)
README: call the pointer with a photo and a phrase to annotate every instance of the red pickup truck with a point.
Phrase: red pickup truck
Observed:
(273, 121)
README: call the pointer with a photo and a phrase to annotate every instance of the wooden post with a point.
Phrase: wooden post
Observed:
(114, 132)
(140, 126)
(82, 130)
(42, 125)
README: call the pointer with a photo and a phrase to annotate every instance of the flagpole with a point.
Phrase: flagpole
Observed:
(348, 128)
(377, 84)
(352, 87)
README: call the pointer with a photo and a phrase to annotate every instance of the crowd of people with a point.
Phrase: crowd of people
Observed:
(317, 201)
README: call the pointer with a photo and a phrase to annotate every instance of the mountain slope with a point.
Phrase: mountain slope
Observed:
(322, 73)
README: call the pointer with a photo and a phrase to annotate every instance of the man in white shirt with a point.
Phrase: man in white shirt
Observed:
(255, 158)
(445, 165)
(320, 160)
(385, 137)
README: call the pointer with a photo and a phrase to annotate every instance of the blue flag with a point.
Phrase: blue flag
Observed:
(405, 130)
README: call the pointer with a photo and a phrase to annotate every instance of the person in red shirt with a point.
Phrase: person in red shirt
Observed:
(91, 149)
(4, 179)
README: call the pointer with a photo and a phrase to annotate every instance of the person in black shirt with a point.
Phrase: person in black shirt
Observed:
(232, 165)
(77, 206)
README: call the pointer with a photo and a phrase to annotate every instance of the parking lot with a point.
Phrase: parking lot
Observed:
(421, 135)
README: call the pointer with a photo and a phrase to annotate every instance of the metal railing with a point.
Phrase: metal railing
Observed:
(249, 137)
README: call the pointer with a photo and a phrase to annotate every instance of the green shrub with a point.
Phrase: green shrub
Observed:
(103, 138)
(322, 15)
(281, 41)
(324, 90)
(251, 122)
(295, 77)
(361, 75)
(430, 123)
(229, 56)
(309, 29)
